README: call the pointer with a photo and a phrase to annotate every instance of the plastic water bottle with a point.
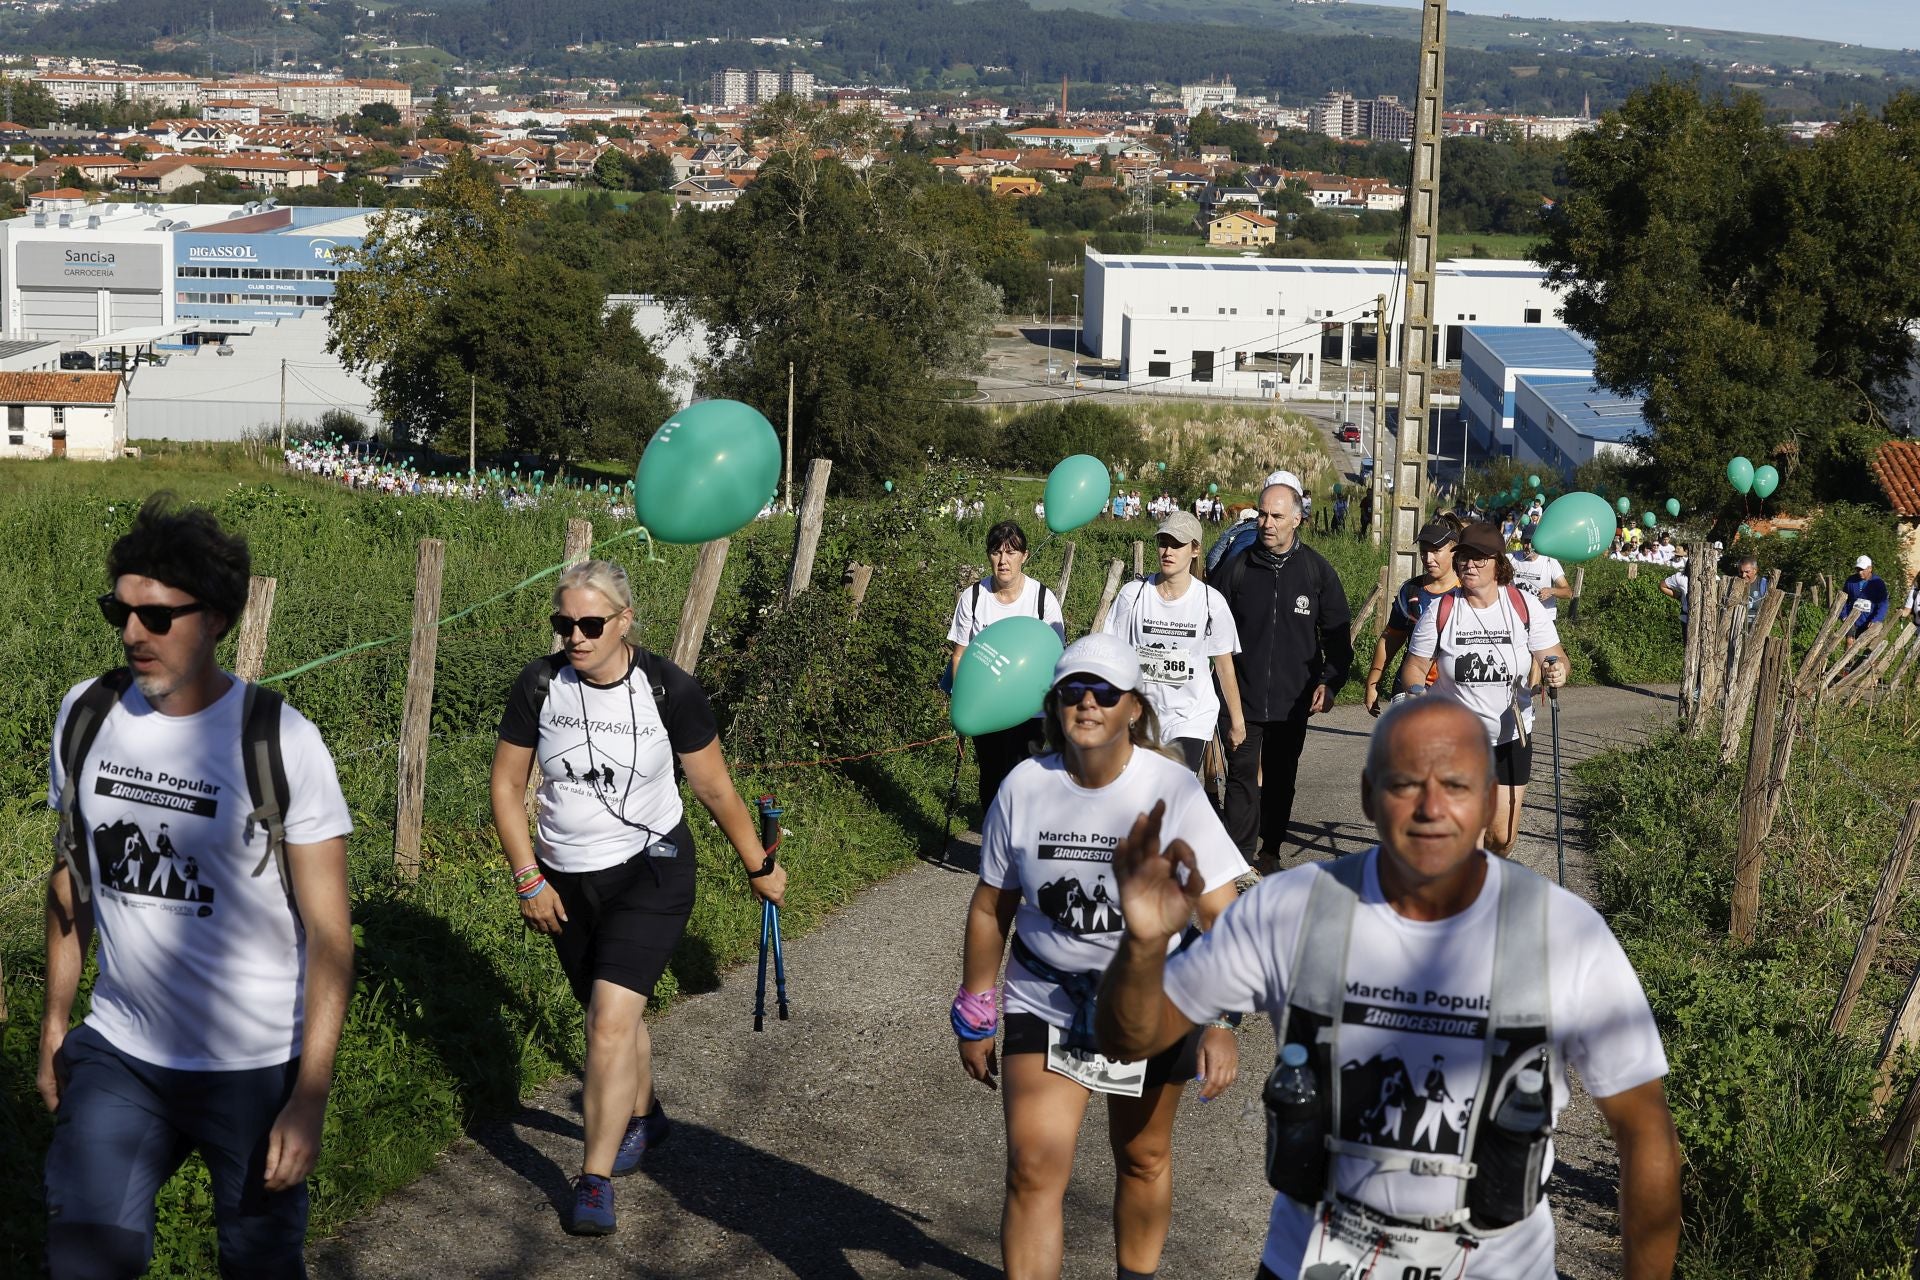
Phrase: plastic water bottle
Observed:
(1296, 1128)
(1511, 1154)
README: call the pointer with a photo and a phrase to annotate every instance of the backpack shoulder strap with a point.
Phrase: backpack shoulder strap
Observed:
(1519, 599)
(1319, 969)
(1443, 611)
(89, 712)
(654, 668)
(266, 770)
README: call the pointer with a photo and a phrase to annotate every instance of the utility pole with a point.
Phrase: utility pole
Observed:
(789, 435)
(1378, 489)
(1049, 322)
(470, 429)
(1423, 239)
(283, 402)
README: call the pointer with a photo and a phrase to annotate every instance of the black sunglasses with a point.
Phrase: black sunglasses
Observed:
(591, 628)
(156, 618)
(1072, 691)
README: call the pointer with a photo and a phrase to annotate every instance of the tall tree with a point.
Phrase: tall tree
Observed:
(1755, 291)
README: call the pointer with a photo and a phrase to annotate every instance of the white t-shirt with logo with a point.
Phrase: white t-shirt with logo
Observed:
(1536, 575)
(1176, 639)
(1053, 840)
(1485, 656)
(976, 610)
(1411, 1040)
(202, 962)
(607, 785)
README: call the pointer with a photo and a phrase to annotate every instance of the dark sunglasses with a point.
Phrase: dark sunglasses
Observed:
(156, 618)
(591, 628)
(1072, 691)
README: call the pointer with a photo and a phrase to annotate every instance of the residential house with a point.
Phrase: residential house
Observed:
(265, 171)
(1241, 227)
(1896, 465)
(704, 193)
(1015, 184)
(161, 175)
(63, 415)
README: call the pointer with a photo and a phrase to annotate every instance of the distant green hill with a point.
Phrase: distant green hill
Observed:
(1529, 35)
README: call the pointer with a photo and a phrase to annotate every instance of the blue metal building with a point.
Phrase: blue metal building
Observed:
(1493, 358)
(1562, 422)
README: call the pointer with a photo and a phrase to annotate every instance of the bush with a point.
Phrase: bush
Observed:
(1839, 535)
(1040, 437)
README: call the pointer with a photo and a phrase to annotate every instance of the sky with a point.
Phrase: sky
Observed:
(1885, 24)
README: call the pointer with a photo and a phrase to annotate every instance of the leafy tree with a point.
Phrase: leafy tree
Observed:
(825, 266)
(384, 114)
(1757, 293)
(72, 177)
(610, 170)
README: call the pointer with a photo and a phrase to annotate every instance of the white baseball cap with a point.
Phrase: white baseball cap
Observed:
(1286, 478)
(1102, 655)
(1864, 562)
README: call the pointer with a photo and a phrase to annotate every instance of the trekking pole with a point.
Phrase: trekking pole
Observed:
(770, 836)
(1559, 823)
(953, 794)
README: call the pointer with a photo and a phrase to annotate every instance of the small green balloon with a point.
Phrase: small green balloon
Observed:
(1077, 491)
(1533, 481)
(706, 472)
(1004, 675)
(1213, 488)
(1765, 481)
(1673, 507)
(1161, 465)
(1623, 505)
(1576, 528)
(1118, 474)
(1746, 531)
(888, 486)
(1740, 475)
(1648, 519)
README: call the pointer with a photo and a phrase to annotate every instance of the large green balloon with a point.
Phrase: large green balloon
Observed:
(1673, 507)
(1623, 505)
(1077, 491)
(1004, 675)
(707, 472)
(1576, 528)
(1740, 475)
(1765, 481)
(1648, 519)
(1533, 482)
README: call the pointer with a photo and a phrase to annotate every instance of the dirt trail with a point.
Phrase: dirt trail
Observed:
(848, 1143)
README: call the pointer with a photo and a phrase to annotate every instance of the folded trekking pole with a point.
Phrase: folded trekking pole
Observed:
(770, 835)
(1559, 822)
(953, 794)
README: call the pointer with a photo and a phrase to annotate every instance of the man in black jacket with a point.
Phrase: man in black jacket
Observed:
(1295, 650)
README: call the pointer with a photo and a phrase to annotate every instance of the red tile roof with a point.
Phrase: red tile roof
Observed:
(59, 388)
(1896, 465)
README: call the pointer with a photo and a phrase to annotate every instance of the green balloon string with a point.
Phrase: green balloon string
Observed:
(638, 530)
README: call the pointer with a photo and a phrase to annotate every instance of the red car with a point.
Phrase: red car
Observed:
(1350, 433)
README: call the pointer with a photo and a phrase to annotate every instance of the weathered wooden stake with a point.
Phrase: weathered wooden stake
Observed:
(1902, 1027)
(1886, 896)
(1066, 576)
(859, 576)
(1139, 559)
(1897, 1146)
(1814, 664)
(707, 567)
(1868, 676)
(1579, 588)
(417, 714)
(1698, 567)
(1741, 686)
(1107, 594)
(250, 649)
(1748, 858)
(1783, 740)
(1374, 600)
(1793, 614)
(1633, 569)
(813, 509)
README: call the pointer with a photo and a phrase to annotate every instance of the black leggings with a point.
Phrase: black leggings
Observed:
(997, 753)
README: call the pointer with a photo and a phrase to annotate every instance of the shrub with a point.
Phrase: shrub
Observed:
(1038, 438)
(1839, 535)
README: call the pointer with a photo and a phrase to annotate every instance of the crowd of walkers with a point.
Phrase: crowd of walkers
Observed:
(1430, 997)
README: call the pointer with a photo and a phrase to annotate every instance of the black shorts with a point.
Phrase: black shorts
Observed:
(624, 921)
(1026, 1033)
(1513, 763)
(1192, 750)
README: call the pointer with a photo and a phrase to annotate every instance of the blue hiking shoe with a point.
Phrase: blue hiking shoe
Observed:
(643, 1134)
(592, 1206)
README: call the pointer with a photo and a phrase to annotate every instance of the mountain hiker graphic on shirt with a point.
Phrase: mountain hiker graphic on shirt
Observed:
(1379, 1095)
(1078, 910)
(131, 863)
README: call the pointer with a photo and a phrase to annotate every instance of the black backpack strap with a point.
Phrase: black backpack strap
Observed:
(654, 668)
(89, 712)
(266, 778)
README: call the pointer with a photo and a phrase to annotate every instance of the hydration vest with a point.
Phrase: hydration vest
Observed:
(1518, 1034)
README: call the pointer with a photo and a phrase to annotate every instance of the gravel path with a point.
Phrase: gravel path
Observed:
(848, 1143)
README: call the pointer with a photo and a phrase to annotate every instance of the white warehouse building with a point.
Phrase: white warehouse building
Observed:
(1253, 326)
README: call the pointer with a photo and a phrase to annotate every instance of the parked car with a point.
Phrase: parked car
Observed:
(111, 361)
(76, 359)
(1350, 433)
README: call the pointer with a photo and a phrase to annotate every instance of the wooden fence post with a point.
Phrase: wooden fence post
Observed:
(1868, 674)
(1886, 896)
(859, 577)
(707, 567)
(1897, 1146)
(1741, 686)
(250, 650)
(1783, 739)
(1066, 577)
(1139, 558)
(417, 716)
(813, 509)
(1902, 1027)
(1793, 614)
(1709, 612)
(1633, 569)
(1579, 588)
(1367, 610)
(1814, 663)
(1748, 858)
(1697, 560)
(1107, 594)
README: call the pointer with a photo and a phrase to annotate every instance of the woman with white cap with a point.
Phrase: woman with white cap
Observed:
(1178, 626)
(1046, 862)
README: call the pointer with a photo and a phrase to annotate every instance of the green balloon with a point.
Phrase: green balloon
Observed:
(1213, 488)
(1623, 505)
(1746, 531)
(1578, 527)
(1740, 475)
(1004, 675)
(1648, 519)
(1673, 507)
(1077, 491)
(888, 486)
(1533, 481)
(1786, 533)
(1765, 481)
(1336, 490)
(1118, 474)
(707, 472)
(1161, 465)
